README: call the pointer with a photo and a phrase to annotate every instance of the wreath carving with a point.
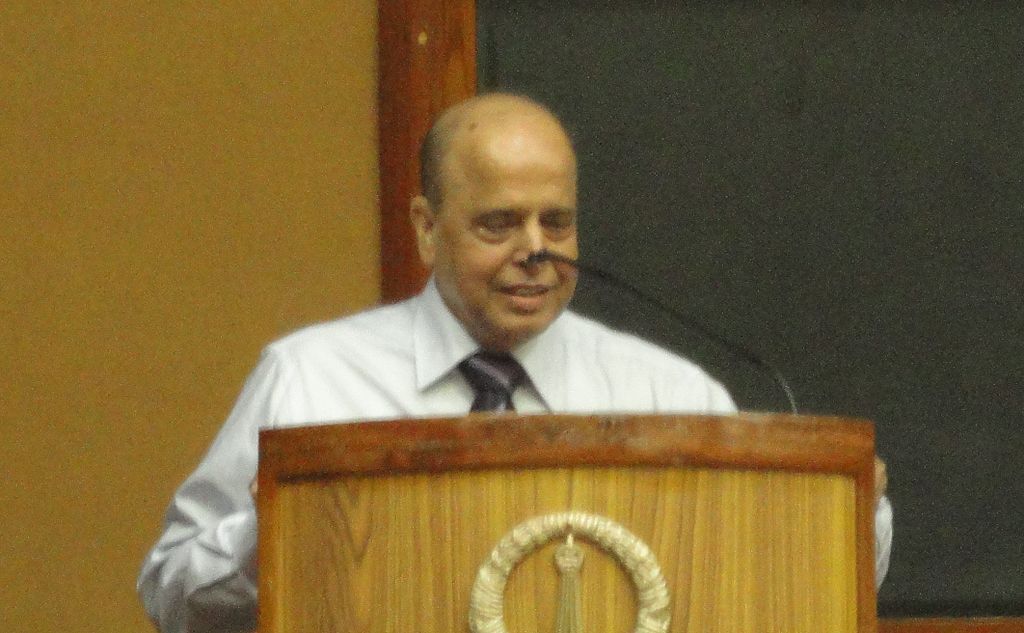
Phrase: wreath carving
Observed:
(486, 602)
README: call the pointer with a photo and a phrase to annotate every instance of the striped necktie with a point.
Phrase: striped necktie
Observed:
(493, 377)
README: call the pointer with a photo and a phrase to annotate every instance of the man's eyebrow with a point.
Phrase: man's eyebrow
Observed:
(496, 211)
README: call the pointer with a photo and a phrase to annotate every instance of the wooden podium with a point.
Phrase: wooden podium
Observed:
(753, 523)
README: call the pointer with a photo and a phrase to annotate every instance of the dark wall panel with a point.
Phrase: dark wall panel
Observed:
(841, 188)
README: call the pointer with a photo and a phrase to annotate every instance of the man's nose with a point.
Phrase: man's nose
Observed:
(532, 238)
(529, 240)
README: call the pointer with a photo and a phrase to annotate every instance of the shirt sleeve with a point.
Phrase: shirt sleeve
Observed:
(201, 575)
(883, 539)
(718, 399)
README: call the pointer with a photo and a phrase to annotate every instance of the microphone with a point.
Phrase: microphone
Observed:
(688, 321)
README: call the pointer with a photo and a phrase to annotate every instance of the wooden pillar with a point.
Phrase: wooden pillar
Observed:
(427, 57)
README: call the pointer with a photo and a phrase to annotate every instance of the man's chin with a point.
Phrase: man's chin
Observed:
(518, 328)
(528, 305)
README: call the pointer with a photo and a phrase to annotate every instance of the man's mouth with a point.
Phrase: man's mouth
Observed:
(526, 291)
(527, 298)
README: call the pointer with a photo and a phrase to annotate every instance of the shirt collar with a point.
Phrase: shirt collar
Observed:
(543, 358)
(441, 343)
(439, 339)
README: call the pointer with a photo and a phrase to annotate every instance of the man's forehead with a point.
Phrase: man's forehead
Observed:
(482, 117)
(493, 135)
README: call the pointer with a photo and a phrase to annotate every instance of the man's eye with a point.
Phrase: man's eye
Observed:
(560, 221)
(497, 222)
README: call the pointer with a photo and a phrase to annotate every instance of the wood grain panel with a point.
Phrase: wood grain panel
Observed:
(773, 552)
(756, 519)
(427, 57)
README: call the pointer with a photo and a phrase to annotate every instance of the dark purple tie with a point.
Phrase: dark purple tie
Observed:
(493, 377)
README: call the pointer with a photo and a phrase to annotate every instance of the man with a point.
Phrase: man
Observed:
(499, 183)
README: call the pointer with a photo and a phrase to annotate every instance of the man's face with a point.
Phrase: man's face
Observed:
(509, 190)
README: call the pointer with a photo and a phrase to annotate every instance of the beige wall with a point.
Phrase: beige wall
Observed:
(179, 184)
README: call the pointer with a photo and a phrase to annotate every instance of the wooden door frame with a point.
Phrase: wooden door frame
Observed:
(427, 61)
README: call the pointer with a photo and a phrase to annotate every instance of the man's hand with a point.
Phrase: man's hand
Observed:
(881, 479)
(253, 486)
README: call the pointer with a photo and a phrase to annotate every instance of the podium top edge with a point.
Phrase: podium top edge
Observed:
(743, 440)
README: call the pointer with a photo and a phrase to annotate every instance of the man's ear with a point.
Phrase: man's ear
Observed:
(423, 220)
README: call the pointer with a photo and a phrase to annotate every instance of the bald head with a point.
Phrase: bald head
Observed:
(473, 119)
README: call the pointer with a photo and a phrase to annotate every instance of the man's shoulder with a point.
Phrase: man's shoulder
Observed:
(636, 374)
(612, 345)
(385, 326)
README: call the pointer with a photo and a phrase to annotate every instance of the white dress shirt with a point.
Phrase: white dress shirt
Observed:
(395, 361)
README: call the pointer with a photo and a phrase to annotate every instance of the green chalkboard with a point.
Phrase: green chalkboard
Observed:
(841, 186)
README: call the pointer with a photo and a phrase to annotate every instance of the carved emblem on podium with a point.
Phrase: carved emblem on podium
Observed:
(486, 603)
